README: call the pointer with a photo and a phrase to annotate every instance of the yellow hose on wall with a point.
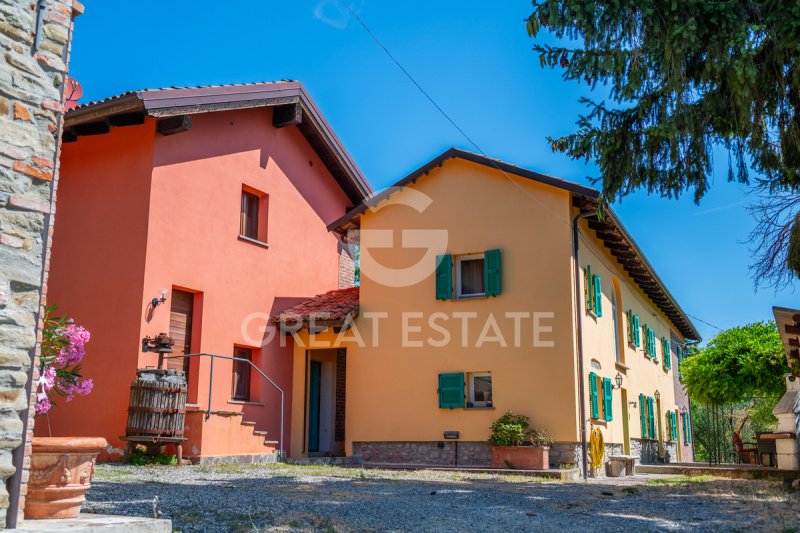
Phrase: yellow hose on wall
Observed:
(597, 449)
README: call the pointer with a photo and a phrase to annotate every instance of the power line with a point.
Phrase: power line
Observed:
(462, 132)
(704, 322)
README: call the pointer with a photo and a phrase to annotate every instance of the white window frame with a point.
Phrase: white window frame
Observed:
(459, 260)
(471, 385)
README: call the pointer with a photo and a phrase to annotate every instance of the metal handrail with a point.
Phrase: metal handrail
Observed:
(211, 384)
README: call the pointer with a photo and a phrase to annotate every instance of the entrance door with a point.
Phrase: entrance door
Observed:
(314, 383)
(180, 329)
(626, 436)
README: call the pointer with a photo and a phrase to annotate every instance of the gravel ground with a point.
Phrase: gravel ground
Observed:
(324, 498)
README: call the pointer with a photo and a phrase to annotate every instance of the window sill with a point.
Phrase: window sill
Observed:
(599, 422)
(472, 297)
(244, 402)
(244, 238)
(622, 367)
(479, 408)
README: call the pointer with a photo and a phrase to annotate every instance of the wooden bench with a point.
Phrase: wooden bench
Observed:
(621, 465)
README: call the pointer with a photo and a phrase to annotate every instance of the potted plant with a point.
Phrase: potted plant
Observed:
(61, 467)
(515, 444)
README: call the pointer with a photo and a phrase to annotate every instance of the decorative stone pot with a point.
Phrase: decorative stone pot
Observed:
(521, 457)
(61, 472)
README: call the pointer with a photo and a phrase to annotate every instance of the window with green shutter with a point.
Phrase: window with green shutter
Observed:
(607, 401)
(491, 272)
(651, 418)
(597, 288)
(665, 346)
(588, 293)
(638, 339)
(643, 415)
(451, 390)
(444, 277)
(593, 395)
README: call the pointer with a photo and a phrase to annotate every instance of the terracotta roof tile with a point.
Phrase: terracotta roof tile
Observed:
(332, 306)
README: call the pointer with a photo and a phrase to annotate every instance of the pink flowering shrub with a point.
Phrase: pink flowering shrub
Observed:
(63, 348)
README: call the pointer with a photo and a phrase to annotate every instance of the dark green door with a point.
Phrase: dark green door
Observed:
(315, 372)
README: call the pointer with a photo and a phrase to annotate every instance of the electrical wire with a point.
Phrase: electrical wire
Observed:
(478, 148)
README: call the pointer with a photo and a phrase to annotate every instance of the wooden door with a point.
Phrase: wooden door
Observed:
(180, 328)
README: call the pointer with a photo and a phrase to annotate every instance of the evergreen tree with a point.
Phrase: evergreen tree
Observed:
(684, 77)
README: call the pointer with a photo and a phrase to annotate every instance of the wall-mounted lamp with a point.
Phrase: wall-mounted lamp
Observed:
(657, 395)
(155, 302)
(618, 381)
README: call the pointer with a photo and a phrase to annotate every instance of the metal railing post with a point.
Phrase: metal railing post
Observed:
(210, 386)
(281, 451)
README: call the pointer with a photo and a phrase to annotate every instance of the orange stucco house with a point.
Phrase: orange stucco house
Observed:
(216, 198)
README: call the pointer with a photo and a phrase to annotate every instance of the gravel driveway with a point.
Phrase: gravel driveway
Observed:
(283, 497)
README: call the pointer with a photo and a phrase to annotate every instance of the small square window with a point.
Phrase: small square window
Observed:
(469, 276)
(480, 389)
(241, 375)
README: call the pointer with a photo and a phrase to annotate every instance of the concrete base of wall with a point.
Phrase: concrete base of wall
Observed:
(86, 523)
(727, 471)
(260, 459)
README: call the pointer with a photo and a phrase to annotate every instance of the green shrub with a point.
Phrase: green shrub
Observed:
(515, 430)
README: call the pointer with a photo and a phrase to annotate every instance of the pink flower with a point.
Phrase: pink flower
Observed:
(43, 405)
(49, 378)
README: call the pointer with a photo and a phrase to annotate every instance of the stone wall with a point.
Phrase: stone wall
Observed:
(441, 453)
(34, 42)
(647, 451)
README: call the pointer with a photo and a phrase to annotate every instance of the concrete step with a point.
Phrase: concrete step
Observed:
(338, 461)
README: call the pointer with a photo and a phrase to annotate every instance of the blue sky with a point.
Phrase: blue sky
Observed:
(475, 60)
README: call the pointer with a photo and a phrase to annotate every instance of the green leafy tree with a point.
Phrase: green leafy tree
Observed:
(683, 78)
(739, 363)
(740, 374)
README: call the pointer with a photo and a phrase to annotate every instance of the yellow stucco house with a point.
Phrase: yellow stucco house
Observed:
(471, 303)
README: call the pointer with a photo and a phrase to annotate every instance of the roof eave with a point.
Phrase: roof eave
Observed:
(172, 102)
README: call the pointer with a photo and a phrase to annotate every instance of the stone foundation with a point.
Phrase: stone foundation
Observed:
(647, 451)
(441, 453)
(460, 453)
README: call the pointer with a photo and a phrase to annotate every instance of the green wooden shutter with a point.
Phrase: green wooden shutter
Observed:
(667, 354)
(651, 418)
(607, 403)
(674, 426)
(631, 335)
(643, 415)
(688, 428)
(597, 285)
(593, 394)
(444, 277)
(451, 390)
(491, 272)
(646, 336)
(587, 289)
(637, 332)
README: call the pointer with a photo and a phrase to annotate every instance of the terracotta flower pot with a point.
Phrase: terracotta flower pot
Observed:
(61, 472)
(523, 457)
